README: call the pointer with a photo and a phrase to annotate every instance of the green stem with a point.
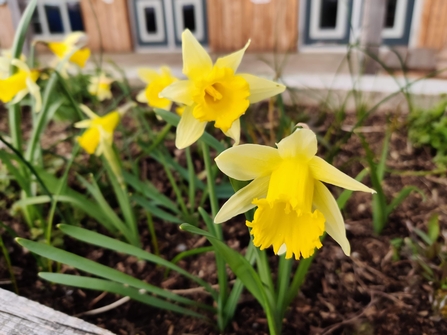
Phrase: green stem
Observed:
(284, 269)
(220, 262)
(150, 224)
(191, 179)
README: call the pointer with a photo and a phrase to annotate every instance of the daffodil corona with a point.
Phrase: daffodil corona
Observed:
(294, 207)
(16, 86)
(156, 82)
(214, 93)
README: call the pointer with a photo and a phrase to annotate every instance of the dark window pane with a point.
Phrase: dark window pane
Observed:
(390, 14)
(75, 16)
(189, 19)
(54, 19)
(35, 22)
(328, 15)
(151, 22)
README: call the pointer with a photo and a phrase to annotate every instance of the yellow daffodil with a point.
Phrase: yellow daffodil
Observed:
(100, 86)
(156, 82)
(15, 87)
(62, 49)
(214, 92)
(99, 133)
(294, 207)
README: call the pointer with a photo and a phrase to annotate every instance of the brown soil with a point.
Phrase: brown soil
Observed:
(370, 292)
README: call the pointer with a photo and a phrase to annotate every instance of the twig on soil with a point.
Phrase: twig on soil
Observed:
(330, 329)
(105, 308)
(97, 299)
(199, 289)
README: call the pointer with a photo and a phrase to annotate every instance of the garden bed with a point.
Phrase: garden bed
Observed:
(380, 289)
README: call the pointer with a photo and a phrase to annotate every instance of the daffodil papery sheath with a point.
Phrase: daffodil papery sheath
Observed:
(294, 207)
(156, 82)
(214, 92)
(99, 131)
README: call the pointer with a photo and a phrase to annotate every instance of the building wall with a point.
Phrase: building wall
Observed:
(6, 27)
(271, 26)
(433, 25)
(107, 25)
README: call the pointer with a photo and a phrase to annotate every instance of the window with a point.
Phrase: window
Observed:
(328, 14)
(189, 19)
(55, 18)
(151, 20)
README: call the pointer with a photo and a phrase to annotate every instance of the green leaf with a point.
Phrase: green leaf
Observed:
(22, 28)
(113, 287)
(7, 159)
(99, 270)
(152, 208)
(173, 119)
(103, 241)
(433, 227)
(401, 196)
(238, 264)
(102, 203)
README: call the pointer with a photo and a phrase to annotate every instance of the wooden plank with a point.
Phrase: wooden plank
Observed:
(6, 27)
(271, 26)
(433, 25)
(107, 25)
(20, 316)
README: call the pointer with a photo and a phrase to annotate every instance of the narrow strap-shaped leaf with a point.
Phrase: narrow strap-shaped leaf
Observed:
(100, 270)
(103, 241)
(155, 210)
(113, 287)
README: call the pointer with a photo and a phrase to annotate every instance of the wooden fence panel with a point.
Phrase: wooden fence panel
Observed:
(6, 27)
(433, 25)
(271, 26)
(113, 22)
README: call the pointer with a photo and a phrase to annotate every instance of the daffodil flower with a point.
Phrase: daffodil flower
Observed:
(156, 82)
(294, 207)
(15, 87)
(100, 86)
(62, 49)
(214, 92)
(99, 133)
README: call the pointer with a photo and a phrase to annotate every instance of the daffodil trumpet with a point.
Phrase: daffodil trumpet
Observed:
(294, 207)
(99, 86)
(98, 137)
(16, 86)
(214, 92)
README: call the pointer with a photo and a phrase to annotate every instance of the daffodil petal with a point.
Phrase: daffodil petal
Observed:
(303, 142)
(20, 64)
(87, 111)
(19, 96)
(74, 38)
(196, 60)
(141, 97)
(147, 75)
(83, 124)
(179, 91)
(327, 173)
(324, 201)
(34, 90)
(248, 161)
(242, 200)
(189, 129)
(260, 88)
(235, 132)
(233, 60)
